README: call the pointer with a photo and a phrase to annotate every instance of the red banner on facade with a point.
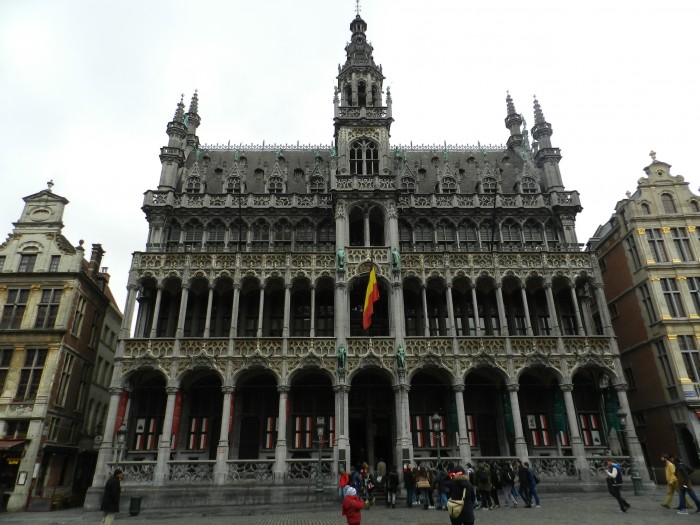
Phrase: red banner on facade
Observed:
(121, 410)
(177, 415)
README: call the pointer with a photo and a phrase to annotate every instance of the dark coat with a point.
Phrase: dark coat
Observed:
(524, 476)
(392, 481)
(456, 488)
(409, 480)
(110, 499)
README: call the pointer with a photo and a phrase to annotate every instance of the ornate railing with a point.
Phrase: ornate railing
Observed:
(307, 470)
(229, 200)
(597, 465)
(257, 470)
(136, 472)
(191, 472)
(555, 467)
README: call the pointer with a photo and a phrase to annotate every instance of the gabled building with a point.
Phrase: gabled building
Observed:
(254, 358)
(649, 254)
(53, 304)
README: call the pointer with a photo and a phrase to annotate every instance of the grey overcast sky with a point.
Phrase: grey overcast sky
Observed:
(87, 88)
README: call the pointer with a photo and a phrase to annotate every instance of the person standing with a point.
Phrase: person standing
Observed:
(342, 483)
(614, 480)
(483, 483)
(392, 487)
(524, 481)
(460, 489)
(534, 480)
(352, 507)
(510, 491)
(496, 484)
(685, 487)
(409, 482)
(110, 498)
(441, 480)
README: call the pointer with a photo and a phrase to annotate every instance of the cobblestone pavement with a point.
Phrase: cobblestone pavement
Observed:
(580, 509)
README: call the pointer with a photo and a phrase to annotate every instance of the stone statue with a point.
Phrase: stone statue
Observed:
(395, 260)
(333, 152)
(341, 358)
(340, 256)
(401, 358)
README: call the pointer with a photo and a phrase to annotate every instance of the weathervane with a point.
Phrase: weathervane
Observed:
(357, 7)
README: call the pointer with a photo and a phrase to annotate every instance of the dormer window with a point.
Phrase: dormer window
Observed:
(529, 185)
(275, 185)
(694, 206)
(448, 185)
(361, 94)
(668, 204)
(233, 185)
(194, 185)
(645, 209)
(489, 185)
(317, 185)
(364, 158)
(408, 185)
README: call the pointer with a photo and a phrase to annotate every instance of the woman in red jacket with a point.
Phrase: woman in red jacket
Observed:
(352, 506)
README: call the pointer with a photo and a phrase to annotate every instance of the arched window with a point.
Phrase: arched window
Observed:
(445, 236)
(194, 233)
(216, 234)
(275, 185)
(466, 234)
(510, 232)
(261, 236)
(283, 236)
(233, 185)
(405, 237)
(364, 158)
(361, 94)
(489, 185)
(449, 185)
(667, 201)
(326, 237)
(532, 233)
(174, 236)
(551, 234)
(193, 185)
(317, 185)
(645, 209)
(487, 234)
(408, 185)
(304, 237)
(347, 95)
(239, 235)
(694, 206)
(528, 185)
(423, 236)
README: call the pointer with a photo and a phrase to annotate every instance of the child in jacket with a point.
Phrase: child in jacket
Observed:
(352, 507)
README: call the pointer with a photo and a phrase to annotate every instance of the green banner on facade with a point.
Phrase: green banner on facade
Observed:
(508, 414)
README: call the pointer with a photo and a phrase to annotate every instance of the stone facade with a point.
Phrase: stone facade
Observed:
(54, 303)
(249, 360)
(650, 256)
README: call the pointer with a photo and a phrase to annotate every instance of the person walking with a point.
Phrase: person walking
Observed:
(534, 480)
(510, 491)
(685, 487)
(110, 498)
(392, 487)
(409, 482)
(496, 484)
(671, 481)
(352, 507)
(459, 488)
(614, 481)
(524, 481)
(441, 480)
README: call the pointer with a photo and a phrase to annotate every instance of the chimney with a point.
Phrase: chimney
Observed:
(95, 260)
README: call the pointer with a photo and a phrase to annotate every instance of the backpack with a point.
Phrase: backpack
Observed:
(482, 476)
(686, 470)
(618, 478)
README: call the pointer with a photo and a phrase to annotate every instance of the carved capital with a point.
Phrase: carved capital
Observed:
(228, 389)
(116, 391)
(171, 390)
(513, 387)
(283, 389)
(458, 387)
(567, 387)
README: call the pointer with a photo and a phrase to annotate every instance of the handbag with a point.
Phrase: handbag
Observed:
(423, 484)
(455, 506)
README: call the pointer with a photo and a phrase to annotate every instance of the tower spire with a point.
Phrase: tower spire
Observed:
(513, 123)
(547, 157)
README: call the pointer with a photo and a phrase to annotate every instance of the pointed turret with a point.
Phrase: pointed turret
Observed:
(513, 123)
(192, 121)
(172, 156)
(546, 157)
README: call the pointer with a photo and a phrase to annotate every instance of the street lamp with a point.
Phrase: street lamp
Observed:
(437, 427)
(636, 478)
(121, 442)
(320, 428)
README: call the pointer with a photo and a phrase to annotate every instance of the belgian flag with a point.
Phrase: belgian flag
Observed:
(371, 297)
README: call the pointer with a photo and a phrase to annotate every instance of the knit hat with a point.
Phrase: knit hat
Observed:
(350, 491)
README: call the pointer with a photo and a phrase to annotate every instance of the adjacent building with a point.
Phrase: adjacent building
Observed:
(245, 362)
(649, 254)
(53, 306)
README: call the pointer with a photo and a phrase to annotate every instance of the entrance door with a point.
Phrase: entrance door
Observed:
(250, 438)
(487, 427)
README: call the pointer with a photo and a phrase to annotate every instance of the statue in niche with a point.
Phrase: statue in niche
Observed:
(340, 256)
(395, 260)
(342, 353)
(401, 358)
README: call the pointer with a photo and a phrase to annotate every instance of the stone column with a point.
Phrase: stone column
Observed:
(207, 322)
(403, 438)
(287, 313)
(312, 330)
(520, 443)
(603, 309)
(577, 446)
(342, 443)
(526, 309)
(426, 321)
(221, 467)
(475, 306)
(281, 445)
(633, 445)
(161, 474)
(106, 453)
(156, 312)
(501, 310)
(234, 310)
(465, 452)
(577, 310)
(261, 309)
(451, 330)
(551, 306)
(129, 311)
(183, 311)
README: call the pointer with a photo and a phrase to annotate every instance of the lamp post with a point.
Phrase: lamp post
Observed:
(121, 442)
(320, 428)
(636, 478)
(437, 427)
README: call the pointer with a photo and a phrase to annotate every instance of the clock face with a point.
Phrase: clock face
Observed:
(40, 214)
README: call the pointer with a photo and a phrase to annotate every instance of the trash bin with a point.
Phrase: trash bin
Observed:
(135, 505)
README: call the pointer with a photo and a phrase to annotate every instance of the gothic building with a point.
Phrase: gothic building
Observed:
(243, 354)
(649, 254)
(55, 352)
